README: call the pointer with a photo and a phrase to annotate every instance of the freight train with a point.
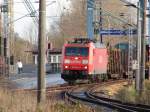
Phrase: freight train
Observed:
(88, 59)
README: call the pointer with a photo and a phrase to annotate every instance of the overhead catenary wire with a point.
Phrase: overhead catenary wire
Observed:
(104, 13)
(31, 10)
(26, 15)
(19, 2)
(119, 19)
(59, 6)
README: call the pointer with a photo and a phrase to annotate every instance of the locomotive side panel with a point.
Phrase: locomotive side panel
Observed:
(100, 61)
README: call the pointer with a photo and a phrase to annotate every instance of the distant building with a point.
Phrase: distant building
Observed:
(53, 58)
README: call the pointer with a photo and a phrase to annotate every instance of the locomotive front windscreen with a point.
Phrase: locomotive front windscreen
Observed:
(77, 51)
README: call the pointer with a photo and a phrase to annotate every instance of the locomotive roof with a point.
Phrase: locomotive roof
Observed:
(96, 43)
(82, 40)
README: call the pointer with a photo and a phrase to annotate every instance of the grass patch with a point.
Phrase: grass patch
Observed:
(27, 102)
(129, 94)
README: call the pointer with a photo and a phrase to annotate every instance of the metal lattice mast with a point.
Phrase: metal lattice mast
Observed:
(90, 14)
(97, 15)
(5, 29)
(31, 10)
(33, 13)
(130, 55)
(1, 37)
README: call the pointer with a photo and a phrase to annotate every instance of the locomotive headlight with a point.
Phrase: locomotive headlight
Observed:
(67, 61)
(66, 66)
(85, 67)
(85, 61)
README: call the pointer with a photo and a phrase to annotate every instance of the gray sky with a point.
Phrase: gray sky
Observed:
(55, 9)
(22, 26)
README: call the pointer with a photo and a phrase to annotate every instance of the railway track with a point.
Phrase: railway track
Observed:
(127, 107)
(48, 89)
(58, 88)
(90, 97)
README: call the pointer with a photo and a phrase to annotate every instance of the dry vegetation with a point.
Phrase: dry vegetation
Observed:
(21, 50)
(26, 102)
(129, 94)
(73, 21)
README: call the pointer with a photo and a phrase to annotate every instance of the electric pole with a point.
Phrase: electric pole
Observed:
(41, 52)
(138, 76)
(11, 27)
(143, 28)
(1, 37)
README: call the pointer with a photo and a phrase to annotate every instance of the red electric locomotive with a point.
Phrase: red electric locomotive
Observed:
(84, 59)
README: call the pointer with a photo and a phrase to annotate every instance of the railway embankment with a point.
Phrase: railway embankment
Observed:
(129, 94)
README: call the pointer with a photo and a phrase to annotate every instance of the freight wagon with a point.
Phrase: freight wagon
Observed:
(118, 63)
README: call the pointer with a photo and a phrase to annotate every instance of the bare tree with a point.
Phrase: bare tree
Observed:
(72, 22)
(22, 49)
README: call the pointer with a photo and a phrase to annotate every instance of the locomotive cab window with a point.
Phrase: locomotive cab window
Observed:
(77, 51)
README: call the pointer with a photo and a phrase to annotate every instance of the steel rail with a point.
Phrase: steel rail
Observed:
(74, 99)
(68, 95)
(129, 106)
(48, 89)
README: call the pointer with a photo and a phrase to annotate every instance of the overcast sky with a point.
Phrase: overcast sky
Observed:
(53, 12)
